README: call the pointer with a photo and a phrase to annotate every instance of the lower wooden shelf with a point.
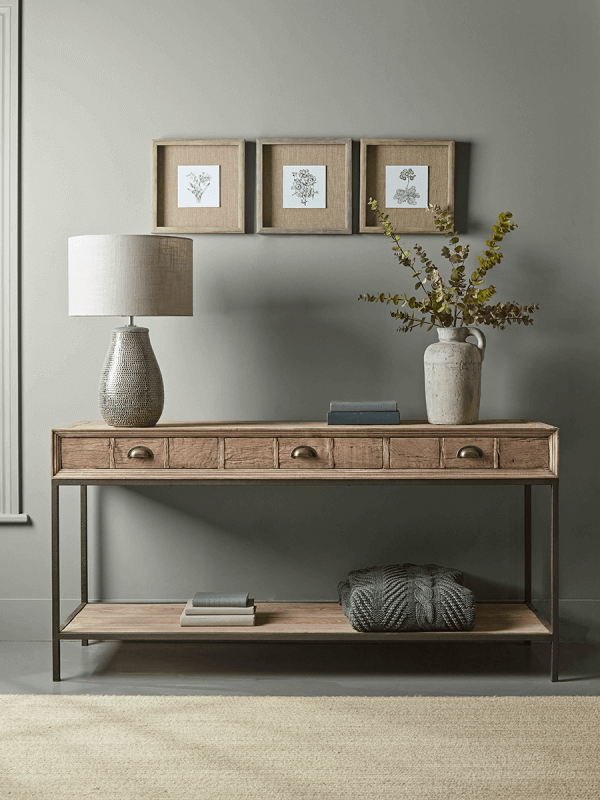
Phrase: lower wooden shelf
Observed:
(292, 622)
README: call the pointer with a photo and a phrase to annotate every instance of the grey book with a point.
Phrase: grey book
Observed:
(191, 610)
(215, 620)
(363, 405)
(212, 599)
(363, 417)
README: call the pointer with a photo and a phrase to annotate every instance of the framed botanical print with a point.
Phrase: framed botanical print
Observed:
(198, 185)
(405, 176)
(304, 186)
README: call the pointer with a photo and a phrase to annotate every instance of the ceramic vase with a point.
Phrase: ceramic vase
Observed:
(453, 376)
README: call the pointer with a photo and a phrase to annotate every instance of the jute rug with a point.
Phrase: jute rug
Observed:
(291, 748)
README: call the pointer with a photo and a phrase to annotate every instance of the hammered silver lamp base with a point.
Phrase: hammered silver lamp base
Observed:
(131, 387)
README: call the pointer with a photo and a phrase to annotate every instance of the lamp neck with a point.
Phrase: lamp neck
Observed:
(131, 327)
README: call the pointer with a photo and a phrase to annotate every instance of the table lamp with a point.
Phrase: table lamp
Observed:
(130, 276)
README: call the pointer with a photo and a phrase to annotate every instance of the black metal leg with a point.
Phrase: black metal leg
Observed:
(84, 548)
(554, 619)
(55, 587)
(527, 530)
(527, 550)
(83, 542)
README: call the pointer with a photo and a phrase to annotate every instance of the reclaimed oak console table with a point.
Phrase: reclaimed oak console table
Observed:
(513, 452)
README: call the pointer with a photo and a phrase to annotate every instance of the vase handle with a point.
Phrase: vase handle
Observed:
(480, 340)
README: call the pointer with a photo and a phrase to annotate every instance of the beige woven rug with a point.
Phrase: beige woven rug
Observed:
(236, 748)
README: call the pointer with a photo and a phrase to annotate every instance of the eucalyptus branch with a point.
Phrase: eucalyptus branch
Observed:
(403, 254)
(462, 299)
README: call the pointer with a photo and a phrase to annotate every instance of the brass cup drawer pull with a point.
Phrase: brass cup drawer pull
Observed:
(140, 452)
(470, 451)
(304, 451)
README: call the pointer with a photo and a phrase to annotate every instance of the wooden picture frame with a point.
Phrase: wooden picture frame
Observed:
(377, 154)
(333, 154)
(168, 216)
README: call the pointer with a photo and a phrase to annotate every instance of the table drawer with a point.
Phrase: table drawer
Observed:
(357, 453)
(413, 453)
(249, 453)
(524, 454)
(154, 447)
(194, 453)
(88, 453)
(451, 448)
(321, 447)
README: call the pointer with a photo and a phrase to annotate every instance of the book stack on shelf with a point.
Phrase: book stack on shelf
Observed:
(363, 412)
(211, 609)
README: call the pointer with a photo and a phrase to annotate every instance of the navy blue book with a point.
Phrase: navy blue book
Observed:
(363, 405)
(363, 417)
(214, 599)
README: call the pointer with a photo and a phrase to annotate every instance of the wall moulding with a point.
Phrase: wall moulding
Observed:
(10, 488)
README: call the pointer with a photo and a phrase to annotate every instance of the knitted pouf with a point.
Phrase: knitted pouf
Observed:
(407, 597)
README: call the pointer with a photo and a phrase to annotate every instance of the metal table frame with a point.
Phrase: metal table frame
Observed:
(57, 627)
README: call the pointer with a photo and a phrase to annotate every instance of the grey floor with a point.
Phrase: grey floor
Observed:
(238, 668)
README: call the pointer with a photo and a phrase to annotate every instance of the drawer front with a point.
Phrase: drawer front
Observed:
(451, 448)
(524, 454)
(250, 453)
(358, 453)
(85, 453)
(321, 447)
(409, 453)
(194, 453)
(156, 448)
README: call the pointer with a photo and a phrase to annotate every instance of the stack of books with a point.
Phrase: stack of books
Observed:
(363, 412)
(207, 609)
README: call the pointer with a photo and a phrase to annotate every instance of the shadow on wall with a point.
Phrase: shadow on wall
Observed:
(462, 177)
(297, 543)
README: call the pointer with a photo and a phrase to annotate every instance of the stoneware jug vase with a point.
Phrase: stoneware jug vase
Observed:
(453, 377)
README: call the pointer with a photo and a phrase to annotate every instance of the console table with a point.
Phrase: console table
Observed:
(498, 452)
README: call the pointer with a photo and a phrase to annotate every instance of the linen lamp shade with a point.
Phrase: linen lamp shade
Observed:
(130, 275)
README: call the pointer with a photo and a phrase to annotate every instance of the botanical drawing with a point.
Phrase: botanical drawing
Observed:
(304, 185)
(198, 184)
(406, 185)
(409, 193)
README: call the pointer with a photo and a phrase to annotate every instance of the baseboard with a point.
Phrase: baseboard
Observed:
(30, 620)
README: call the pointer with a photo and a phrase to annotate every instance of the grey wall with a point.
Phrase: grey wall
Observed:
(277, 330)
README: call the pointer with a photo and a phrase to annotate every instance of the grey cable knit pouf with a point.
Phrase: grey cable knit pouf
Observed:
(407, 597)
